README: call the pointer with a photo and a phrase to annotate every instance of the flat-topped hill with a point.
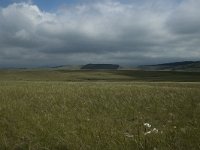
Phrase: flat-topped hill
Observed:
(101, 67)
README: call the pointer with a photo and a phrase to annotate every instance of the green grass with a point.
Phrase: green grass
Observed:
(104, 75)
(41, 115)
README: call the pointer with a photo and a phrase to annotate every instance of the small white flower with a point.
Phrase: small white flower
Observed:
(155, 130)
(149, 132)
(128, 135)
(147, 125)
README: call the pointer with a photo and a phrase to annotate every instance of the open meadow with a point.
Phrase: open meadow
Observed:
(97, 110)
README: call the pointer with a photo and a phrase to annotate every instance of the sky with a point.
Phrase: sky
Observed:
(36, 33)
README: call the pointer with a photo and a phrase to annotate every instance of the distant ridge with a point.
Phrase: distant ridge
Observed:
(174, 66)
(100, 67)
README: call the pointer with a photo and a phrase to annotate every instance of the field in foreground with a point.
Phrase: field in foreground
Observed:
(103, 115)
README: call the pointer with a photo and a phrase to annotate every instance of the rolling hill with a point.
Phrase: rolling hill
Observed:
(100, 67)
(175, 66)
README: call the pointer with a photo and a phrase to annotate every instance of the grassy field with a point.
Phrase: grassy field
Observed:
(93, 75)
(43, 110)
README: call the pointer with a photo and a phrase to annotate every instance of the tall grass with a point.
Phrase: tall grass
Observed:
(58, 115)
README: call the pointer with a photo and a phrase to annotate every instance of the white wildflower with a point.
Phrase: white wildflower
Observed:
(149, 132)
(147, 125)
(155, 130)
(128, 135)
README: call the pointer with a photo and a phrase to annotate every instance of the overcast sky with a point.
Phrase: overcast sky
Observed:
(128, 32)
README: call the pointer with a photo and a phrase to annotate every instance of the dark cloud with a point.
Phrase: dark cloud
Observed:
(100, 32)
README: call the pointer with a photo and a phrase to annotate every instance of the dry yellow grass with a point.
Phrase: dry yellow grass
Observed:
(66, 115)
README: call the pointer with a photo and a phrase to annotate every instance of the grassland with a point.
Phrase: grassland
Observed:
(41, 110)
(93, 75)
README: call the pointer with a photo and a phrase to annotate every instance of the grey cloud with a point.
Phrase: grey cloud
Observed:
(99, 32)
(185, 19)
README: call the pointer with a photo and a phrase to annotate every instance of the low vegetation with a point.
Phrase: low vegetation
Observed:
(41, 115)
(98, 75)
